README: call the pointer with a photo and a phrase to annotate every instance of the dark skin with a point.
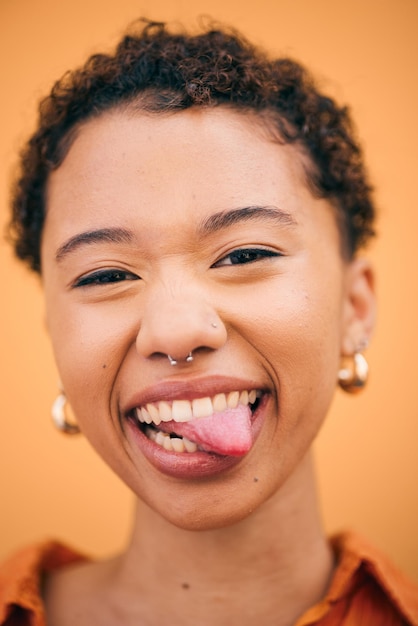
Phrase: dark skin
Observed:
(238, 542)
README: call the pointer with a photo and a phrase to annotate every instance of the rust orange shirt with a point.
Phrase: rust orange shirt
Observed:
(366, 590)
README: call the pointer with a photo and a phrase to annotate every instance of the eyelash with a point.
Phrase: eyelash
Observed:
(105, 277)
(244, 256)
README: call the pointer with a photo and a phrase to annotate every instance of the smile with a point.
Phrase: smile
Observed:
(217, 424)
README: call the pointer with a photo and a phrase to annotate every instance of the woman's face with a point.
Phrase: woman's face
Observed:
(195, 232)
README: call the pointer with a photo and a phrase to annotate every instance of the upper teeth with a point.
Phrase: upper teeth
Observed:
(186, 410)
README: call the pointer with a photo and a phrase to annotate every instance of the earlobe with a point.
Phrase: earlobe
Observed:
(359, 307)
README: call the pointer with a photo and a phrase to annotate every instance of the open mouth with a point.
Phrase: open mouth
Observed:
(220, 424)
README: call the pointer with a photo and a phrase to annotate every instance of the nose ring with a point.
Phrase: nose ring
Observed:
(188, 359)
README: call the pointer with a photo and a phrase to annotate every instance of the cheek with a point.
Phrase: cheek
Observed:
(297, 333)
(296, 322)
(89, 344)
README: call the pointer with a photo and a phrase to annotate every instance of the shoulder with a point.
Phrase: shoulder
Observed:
(373, 582)
(21, 580)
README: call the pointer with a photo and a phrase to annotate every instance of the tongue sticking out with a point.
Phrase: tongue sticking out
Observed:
(227, 433)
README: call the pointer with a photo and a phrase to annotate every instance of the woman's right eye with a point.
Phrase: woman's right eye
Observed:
(105, 277)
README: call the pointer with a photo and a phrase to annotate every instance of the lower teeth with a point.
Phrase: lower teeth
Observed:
(171, 444)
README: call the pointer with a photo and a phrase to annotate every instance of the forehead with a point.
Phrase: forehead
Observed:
(219, 152)
(162, 177)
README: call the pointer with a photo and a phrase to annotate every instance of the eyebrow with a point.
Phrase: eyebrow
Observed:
(212, 224)
(224, 219)
(107, 235)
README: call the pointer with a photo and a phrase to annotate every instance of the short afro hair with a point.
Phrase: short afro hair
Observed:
(161, 70)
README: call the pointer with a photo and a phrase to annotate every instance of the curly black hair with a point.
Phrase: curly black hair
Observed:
(159, 70)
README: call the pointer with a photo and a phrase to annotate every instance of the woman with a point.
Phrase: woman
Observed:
(195, 211)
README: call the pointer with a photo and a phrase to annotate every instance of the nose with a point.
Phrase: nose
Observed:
(176, 325)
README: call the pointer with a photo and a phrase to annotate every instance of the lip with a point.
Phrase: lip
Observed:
(195, 465)
(189, 389)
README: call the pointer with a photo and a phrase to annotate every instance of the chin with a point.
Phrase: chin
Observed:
(206, 507)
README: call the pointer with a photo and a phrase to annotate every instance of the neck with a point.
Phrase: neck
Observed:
(271, 566)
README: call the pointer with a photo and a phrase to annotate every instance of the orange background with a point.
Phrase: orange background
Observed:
(364, 52)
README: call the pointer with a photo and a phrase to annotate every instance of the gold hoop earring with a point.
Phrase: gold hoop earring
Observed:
(353, 376)
(59, 417)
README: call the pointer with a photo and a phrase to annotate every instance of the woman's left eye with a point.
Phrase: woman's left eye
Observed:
(105, 277)
(246, 255)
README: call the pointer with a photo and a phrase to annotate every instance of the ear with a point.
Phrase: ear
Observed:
(359, 307)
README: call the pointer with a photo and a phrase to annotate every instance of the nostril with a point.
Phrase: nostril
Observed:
(163, 333)
(174, 361)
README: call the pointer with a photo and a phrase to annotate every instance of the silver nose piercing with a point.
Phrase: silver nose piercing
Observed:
(188, 359)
